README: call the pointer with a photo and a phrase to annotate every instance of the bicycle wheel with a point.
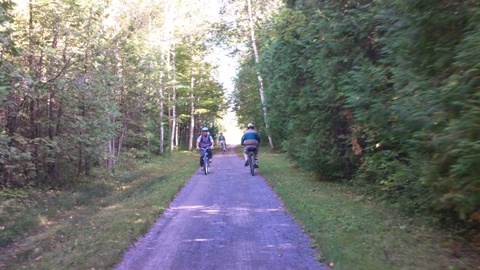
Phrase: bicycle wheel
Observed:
(251, 160)
(205, 164)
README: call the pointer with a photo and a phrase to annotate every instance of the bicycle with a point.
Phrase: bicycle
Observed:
(205, 159)
(251, 158)
(223, 146)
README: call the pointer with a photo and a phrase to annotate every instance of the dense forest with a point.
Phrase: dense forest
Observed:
(89, 83)
(379, 94)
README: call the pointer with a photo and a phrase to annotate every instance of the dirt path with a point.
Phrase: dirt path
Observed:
(225, 220)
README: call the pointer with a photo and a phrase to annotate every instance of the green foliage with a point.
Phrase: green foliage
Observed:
(453, 144)
(85, 81)
(246, 98)
(383, 94)
(305, 105)
(354, 230)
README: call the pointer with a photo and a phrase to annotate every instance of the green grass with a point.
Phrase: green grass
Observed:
(93, 224)
(353, 231)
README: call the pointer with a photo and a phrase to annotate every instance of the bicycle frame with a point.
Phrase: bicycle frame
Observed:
(223, 146)
(205, 159)
(251, 158)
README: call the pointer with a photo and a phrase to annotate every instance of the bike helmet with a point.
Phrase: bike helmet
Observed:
(250, 125)
(205, 129)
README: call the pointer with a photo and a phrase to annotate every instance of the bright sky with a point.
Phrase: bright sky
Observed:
(226, 73)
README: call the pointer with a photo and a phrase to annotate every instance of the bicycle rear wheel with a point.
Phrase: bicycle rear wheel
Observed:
(251, 160)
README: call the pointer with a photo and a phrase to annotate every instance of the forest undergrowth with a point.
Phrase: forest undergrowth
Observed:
(91, 224)
(355, 230)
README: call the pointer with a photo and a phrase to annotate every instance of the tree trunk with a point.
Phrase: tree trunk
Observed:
(80, 159)
(174, 103)
(112, 118)
(260, 80)
(161, 115)
(177, 129)
(120, 139)
(192, 100)
(31, 88)
(110, 160)
(51, 163)
(31, 69)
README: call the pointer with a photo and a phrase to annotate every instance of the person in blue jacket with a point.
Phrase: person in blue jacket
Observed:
(250, 138)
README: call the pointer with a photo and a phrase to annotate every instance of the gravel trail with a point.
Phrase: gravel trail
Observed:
(225, 220)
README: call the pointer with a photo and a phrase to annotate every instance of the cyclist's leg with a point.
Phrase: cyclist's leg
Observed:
(245, 154)
(201, 158)
(210, 154)
(256, 157)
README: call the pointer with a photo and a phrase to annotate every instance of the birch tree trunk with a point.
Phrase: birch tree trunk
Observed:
(166, 59)
(52, 165)
(161, 114)
(192, 115)
(31, 88)
(260, 80)
(174, 105)
(110, 162)
(177, 132)
(111, 150)
(192, 100)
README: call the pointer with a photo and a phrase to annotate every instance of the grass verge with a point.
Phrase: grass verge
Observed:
(353, 231)
(94, 223)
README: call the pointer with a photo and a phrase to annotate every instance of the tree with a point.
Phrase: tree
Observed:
(244, 28)
(381, 94)
(92, 81)
(260, 80)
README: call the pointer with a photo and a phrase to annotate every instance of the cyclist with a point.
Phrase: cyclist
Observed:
(203, 141)
(222, 141)
(250, 138)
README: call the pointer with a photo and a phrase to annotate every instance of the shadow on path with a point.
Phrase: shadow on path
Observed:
(225, 220)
